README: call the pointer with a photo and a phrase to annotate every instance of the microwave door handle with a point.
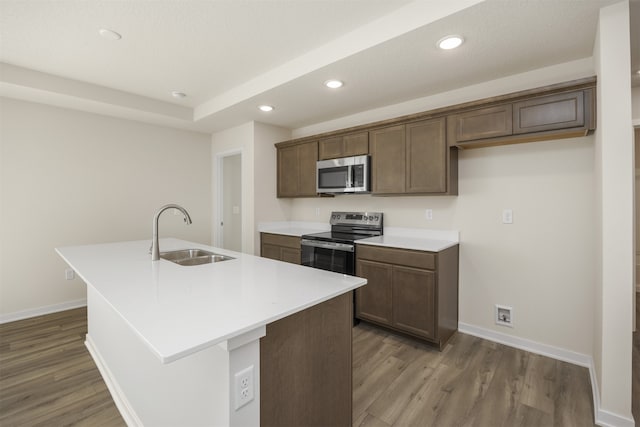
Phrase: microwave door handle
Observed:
(350, 177)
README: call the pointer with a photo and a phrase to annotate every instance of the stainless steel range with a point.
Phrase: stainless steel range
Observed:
(335, 250)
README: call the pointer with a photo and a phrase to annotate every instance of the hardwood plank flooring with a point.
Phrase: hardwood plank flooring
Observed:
(399, 381)
(48, 378)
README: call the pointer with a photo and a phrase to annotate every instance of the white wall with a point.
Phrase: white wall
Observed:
(235, 140)
(614, 183)
(267, 206)
(70, 178)
(256, 142)
(541, 265)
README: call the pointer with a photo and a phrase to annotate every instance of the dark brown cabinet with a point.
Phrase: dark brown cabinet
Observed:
(373, 302)
(482, 123)
(532, 118)
(413, 159)
(560, 111)
(297, 169)
(306, 367)
(418, 153)
(410, 291)
(344, 146)
(411, 285)
(388, 156)
(280, 247)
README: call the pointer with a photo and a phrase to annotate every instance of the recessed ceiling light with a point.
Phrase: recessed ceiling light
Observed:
(333, 84)
(109, 34)
(266, 108)
(450, 42)
(177, 94)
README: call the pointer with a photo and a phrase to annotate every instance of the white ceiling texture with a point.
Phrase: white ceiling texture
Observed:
(229, 56)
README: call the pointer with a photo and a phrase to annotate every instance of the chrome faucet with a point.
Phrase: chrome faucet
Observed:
(155, 249)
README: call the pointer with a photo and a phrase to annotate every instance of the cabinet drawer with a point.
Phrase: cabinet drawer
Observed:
(560, 111)
(409, 258)
(280, 240)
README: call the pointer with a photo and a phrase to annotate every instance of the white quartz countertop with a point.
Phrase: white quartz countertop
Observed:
(403, 242)
(293, 228)
(396, 237)
(178, 310)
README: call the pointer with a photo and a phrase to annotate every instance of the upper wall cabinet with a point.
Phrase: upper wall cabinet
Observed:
(344, 146)
(418, 153)
(297, 169)
(535, 118)
(413, 159)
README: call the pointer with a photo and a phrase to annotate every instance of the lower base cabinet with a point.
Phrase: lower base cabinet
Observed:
(306, 367)
(280, 247)
(413, 292)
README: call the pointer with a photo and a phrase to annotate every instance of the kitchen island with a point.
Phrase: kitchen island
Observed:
(170, 339)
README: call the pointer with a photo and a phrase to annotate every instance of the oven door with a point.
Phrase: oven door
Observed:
(331, 256)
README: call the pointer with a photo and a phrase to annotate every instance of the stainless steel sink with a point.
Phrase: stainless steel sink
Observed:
(193, 257)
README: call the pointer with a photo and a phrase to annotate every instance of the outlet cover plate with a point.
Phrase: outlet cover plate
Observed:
(504, 315)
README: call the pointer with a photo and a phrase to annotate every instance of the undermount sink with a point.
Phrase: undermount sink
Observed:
(193, 257)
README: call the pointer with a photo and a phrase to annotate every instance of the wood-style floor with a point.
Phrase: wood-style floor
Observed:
(473, 382)
(47, 378)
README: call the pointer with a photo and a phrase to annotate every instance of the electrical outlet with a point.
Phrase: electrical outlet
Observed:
(317, 211)
(504, 315)
(69, 274)
(244, 387)
(428, 214)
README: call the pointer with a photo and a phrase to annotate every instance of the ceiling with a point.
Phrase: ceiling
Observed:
(229, 56)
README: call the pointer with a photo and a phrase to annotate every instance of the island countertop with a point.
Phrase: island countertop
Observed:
(178, 310)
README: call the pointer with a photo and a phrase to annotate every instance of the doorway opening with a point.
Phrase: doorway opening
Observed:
(229, 210)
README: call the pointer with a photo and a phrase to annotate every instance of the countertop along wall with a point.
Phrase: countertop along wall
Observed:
(71, 178)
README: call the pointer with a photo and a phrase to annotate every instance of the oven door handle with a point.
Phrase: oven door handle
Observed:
(328, 245)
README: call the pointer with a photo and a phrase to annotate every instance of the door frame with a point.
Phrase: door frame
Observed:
(218, 210)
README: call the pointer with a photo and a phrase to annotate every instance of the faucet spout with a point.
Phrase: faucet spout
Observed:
(155, 249)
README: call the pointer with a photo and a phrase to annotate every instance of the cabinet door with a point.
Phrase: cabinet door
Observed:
(356, 144)
(388, 158)
(288, 171)
(560, 111)
(270, 251)
(373, 301)
(307, 158)
(482, 123)
(290, 255)
(331, 148)
(426, 157)
(414, 301)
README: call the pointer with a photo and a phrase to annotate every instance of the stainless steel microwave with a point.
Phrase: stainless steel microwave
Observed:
(344, 175)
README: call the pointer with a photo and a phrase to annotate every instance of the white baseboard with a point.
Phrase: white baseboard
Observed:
(602, 417)
(127, 412)
(33, 312)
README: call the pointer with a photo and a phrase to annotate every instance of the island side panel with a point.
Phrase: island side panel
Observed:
(193, 390)
(305, 367)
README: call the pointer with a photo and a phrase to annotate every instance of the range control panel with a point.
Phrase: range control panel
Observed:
(356, 218)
